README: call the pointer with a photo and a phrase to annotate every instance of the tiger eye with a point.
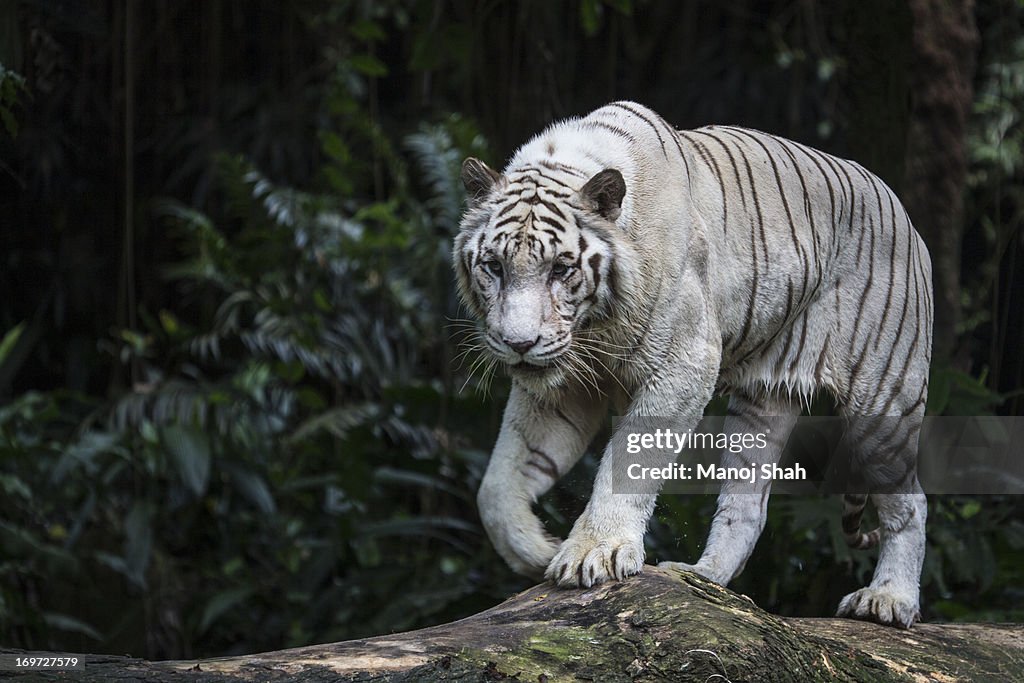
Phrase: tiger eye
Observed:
(493, 267)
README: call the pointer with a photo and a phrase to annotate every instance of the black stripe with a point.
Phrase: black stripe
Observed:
(646, 120)
(892, 275)
(546, 464)
(919, 289)
(901, 375)
(800, 252)
(753, 295)
(622, 132)
(732, 161)
(839, 305)
(506, 209)
(595, 262)
(897, 389)
(851, 522)
(674, 134)
(559, 166)
(821, 359)
(800, 348)
(553, 208)
(565, 418)
(506, 221)
(835, 164)
(870, 282)
(753, 234)
(863, 234)
(705, 156)
(784, 144)
(757, 201)
(912, 408)
(544, 220)
(903, 320)
(529, 174)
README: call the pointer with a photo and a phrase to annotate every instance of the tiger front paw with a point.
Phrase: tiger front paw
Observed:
(882, 606)
(585, 561)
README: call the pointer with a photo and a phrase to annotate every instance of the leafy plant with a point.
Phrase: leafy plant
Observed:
(11, 86)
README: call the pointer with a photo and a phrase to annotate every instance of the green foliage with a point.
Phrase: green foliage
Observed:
(971, 564)
(954, 392)
(592, 12)
(997, 138)
(285, 456)
(995, 205)
(11, 85)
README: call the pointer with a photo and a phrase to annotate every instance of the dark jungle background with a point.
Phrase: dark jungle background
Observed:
(232, 413)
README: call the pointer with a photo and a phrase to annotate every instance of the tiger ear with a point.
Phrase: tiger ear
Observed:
(604, 192)
(478, 178)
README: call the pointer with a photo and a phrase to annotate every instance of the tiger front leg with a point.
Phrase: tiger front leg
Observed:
(538, 443)
(607, 540)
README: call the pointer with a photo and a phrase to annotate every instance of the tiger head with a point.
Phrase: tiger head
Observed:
(535, 260)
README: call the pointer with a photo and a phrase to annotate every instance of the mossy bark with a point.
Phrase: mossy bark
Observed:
(656, 626)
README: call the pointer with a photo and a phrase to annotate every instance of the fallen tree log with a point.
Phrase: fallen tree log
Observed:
(657, 626)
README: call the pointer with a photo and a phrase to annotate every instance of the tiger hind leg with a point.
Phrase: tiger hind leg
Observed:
(886, 451)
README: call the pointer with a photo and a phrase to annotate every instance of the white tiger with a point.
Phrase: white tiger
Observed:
(660, 266)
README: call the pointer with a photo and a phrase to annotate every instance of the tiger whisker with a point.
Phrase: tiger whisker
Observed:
(605, 367)
(605, 343)
(481, 360)
(581, 372)
(586, 344)
(460, 359)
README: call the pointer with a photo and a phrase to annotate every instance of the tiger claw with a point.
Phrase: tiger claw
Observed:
(588, 562)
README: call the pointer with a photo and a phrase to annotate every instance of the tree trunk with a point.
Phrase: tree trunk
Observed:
(657, 626)
(944, 49)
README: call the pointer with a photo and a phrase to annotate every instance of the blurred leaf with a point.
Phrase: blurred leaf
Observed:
(13, 485)
(252, 487)
(389, 475)
(417, 526)
(72, 625)
(138, 543)
(970, 509)
(220, 603)
(190, 452)
(337, 421)
(83, 453)
(369, 65)
(590, 16)
(9, 340)
(364, 29)
(18, 541)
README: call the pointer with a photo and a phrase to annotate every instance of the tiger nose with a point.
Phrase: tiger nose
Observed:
(521, 346)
